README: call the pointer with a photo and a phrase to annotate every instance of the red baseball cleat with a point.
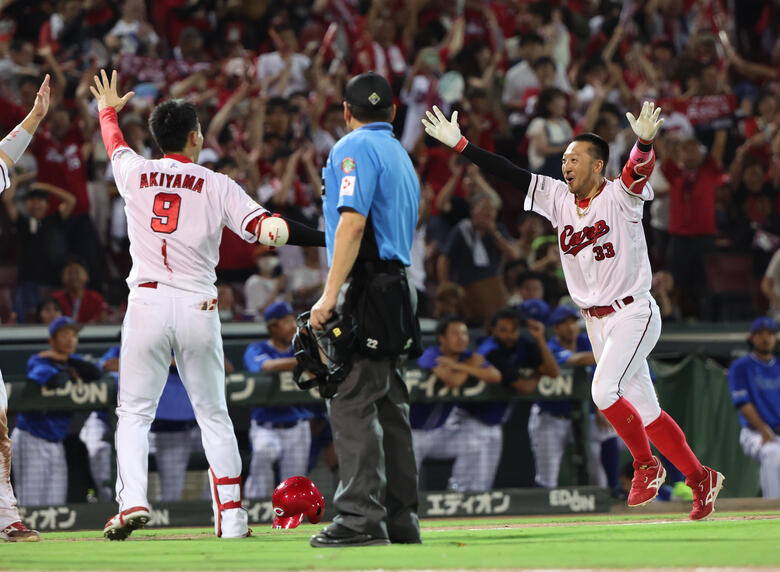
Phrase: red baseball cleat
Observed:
(18, 532)
(121, 525)
(646, 482)
(704, 493)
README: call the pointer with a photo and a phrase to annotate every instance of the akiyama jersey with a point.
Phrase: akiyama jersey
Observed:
(603, 248)
(175, 212)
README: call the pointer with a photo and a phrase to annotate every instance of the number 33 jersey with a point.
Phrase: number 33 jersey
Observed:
(176, 211)
(602, 246)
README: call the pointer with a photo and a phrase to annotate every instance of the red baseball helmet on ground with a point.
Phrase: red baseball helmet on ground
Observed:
(295, 498)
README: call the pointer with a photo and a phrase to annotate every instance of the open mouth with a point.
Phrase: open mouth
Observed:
(569, 179)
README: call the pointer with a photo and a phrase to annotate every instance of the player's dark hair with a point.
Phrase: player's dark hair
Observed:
(171, 123)
(599, 149)
(48, 301)
(368, 115)
(505, 314)
(444, 323)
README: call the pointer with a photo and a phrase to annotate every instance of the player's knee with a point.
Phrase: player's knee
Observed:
(603, 394)
(770, 454)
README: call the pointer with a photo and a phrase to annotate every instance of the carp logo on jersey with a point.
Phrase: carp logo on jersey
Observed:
(573, 242)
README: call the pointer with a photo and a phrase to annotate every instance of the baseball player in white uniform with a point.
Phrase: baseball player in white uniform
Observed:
(176, 210)
(607, 270)
(12, 529)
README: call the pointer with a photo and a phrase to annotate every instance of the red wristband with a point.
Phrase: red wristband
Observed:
(461, 145)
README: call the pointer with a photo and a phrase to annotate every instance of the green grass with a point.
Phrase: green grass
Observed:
(651, 541)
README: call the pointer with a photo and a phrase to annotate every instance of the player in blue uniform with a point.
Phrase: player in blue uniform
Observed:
(38, 453)
(277, 434)
(754, 381)
(446, 431)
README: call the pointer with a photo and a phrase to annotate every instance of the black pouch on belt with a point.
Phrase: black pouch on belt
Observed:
(380, 301)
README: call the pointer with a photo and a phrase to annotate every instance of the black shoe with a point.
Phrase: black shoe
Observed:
(337, 535)
(405, 541)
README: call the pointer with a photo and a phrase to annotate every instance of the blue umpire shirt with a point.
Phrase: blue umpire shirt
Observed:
(254, 358)
(754, 381)
(368, 169)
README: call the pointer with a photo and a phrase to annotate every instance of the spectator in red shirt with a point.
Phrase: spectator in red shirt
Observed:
(693, 179)
(77, 301)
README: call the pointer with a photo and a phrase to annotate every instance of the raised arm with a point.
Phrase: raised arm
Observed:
(14, 144)
(109, 104)
(448, 132)
(640, 162)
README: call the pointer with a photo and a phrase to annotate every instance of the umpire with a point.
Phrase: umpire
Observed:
(371, 197)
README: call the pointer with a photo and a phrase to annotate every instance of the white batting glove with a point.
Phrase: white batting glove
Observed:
(438, 127)
(647, 125)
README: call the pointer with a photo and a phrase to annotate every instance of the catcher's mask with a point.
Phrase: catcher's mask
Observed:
(323, 356)
(295, 498)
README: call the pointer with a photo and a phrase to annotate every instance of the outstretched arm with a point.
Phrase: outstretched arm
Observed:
(14, 144)
(448, 132)
(109, 104)
(641, 161)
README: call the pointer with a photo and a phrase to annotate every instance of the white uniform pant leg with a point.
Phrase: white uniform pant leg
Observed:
(621, 343)
(476, 448)
(40, 470)
(768, 456)
(8, 511)
(296, 442)
(266, 450)
(144, 360)
(172, 456)
(548, 435)
(421, 441)
(92, 434)
(596, 473)
(201, 363)
(640, 392)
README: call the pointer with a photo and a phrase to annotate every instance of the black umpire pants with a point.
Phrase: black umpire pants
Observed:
(377, 491)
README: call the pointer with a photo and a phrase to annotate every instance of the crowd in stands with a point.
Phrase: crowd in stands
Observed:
(267, 79)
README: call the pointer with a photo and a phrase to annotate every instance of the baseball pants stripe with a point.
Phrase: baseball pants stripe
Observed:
(621, 343)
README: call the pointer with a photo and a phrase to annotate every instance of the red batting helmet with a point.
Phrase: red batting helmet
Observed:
(294, 498)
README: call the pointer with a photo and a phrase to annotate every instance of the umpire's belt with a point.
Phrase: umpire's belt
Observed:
(601, 311)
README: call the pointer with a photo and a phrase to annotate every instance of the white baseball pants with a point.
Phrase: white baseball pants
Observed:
(40, 470)
(172, 453)
(99, 451)
(158, 320)
(8, 511)
(549, 435)
(621, 343)
(475, 447)
(289, 446)
(768, 456)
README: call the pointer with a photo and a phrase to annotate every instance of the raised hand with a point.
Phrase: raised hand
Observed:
(649, 122)
(438, 127)
(41, 105)
(105, 92)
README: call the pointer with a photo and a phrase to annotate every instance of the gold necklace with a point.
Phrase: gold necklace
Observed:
(580, 211)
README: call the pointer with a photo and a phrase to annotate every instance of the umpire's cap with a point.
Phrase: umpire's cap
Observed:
(369, 90)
